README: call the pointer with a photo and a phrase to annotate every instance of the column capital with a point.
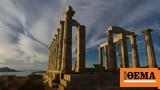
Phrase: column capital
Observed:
(58, 30)
(99, 48)
(53, 40)
(83, 26)
(55, 35)
(52, 43)
(108, 32)
(61, 22)
(147, 30)
(133, 35)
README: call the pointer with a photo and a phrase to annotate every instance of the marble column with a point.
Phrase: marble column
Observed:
(124, 51)
(100, 58)
(49, 58)
(81, 49)
(53, 54)
(106, 57)
(150, 49)
(57, 51)
(67, 41)
(135, 59)
(60, 44)
(112, 62)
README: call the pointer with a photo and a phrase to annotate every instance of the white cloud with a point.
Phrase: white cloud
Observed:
(8, 7)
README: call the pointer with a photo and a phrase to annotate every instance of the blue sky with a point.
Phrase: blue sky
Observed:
(28, 26)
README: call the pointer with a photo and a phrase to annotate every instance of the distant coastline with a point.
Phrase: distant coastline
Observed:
(9, 71)
(6, 69)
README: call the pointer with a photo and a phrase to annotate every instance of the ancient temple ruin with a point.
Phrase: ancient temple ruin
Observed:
(110, 51)
(60, 50)
(60, 70)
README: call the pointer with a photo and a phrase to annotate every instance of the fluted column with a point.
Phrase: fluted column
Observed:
(135, 59)
(112, 63)
(50, 54)
(67, 42)
(150, 49)
(124, 51)
(100, 58)
(80, 49)
(106, 57)
(61, 45)
(49, 58)
(53, 54)
(57, 55)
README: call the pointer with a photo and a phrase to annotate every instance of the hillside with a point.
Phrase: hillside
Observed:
(6, 69)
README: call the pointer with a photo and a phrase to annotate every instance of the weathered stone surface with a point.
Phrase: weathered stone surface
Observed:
(61, 45)
(51, 56)
(100, 57)
(118, 30)
(112, 63)
(150, 49)
(67, 41)
(135, 59)
(57, 51)
(106, 57)
(123, 52)
(81, 46)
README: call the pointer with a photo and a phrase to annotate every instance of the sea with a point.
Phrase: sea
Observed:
(20, 73)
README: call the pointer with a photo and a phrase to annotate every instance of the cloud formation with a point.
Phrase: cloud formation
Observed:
(28, 26)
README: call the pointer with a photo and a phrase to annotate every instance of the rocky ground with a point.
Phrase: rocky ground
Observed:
(34, 82)
(31, 82)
